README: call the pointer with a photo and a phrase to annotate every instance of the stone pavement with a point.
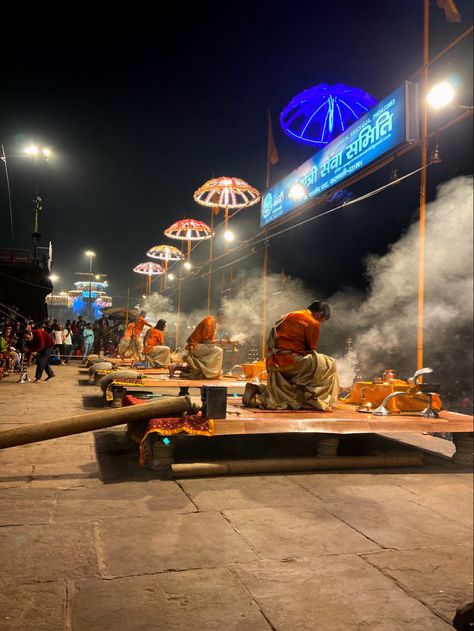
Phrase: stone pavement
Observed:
(90, 542)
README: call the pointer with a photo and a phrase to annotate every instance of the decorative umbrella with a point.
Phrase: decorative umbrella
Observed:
(189, 230)
(319, 114)
(149, 269)
(224, 192)
(165, 253)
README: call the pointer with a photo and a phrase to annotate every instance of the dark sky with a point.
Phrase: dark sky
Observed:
(137, 123)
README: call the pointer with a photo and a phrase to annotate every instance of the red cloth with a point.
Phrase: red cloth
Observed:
(40, 340)
(195, 424)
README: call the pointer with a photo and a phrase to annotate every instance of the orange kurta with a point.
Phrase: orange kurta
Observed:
(204, 332)
(298, 332)
(155, 337)
(139, 324)
(129, 330)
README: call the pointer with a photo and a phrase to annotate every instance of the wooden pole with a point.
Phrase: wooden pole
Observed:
(37, 432)
(179, 302)
(209, 280)
(128, 305)
(264, 298)
(423, 177)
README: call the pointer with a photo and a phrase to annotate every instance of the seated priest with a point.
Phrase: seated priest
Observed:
(157, 354)
(204, 358)
(298, 376)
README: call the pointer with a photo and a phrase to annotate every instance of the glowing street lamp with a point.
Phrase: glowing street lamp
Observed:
(229, 235)
(440, 95)
(32, 151)
(29, 152)
(297, 192)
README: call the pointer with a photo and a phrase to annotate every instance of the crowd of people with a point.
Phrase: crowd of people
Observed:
(21, 339)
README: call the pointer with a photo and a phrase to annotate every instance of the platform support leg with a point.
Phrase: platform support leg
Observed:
(118, 393)
(328, 445)
(464, 454)
(162, 457)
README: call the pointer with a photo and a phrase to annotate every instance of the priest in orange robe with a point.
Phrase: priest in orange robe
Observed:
(157, 354)
(204, 357)
(298, 376)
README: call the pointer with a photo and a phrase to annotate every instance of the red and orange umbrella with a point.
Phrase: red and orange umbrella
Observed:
(189, 230)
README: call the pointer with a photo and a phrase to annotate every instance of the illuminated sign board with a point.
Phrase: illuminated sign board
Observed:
(390, 123)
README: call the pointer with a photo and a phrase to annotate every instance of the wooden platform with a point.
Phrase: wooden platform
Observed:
(166, 382)
(344, 420)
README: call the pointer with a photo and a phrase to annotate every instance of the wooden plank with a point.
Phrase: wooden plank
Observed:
(166, 382)
(343, 420)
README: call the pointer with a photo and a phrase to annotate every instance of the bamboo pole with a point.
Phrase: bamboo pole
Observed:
(209, 280)
(180, 280)
(423, 178)
(273, 465)
(264, 298)
(38, 432)
(128, 305)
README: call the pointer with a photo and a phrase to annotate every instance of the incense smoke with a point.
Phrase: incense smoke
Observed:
(384, 326)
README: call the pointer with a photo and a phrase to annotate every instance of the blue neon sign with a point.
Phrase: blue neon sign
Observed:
(384, 127)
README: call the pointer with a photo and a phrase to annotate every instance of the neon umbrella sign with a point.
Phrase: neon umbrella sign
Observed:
(318, 115)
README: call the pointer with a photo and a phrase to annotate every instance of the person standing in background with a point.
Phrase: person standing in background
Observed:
(87, 339)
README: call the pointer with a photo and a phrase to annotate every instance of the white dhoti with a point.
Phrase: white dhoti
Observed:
(205, 361)
(130, 348)
(311, 384)
(158, 356)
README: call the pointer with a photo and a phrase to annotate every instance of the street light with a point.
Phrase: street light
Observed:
(440, 95)
(30, 152)
(297, 192)
(91, 255)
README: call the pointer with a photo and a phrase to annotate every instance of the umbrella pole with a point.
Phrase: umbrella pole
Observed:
(128, 304)
(209, 280)
(179, 303)
(163, 278)
(264, 297)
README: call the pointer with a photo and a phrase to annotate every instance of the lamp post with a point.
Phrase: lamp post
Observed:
(41, 153)
(91, 255)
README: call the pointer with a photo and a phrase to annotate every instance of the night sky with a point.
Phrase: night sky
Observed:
(138, 123)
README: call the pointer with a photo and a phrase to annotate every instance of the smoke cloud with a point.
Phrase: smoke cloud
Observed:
(382, 322)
